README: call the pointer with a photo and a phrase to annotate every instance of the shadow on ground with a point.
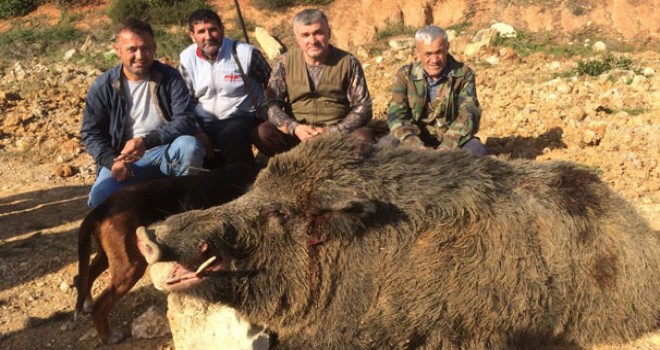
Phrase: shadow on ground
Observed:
(517, 147)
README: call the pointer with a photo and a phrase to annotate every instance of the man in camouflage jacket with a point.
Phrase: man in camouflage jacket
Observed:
(434, 100)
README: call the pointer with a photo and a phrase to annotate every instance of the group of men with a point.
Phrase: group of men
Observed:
(144, 119)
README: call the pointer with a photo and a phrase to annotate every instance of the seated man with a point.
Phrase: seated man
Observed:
(138, 121)
(226, 99)
(434, 100)
(314, 89)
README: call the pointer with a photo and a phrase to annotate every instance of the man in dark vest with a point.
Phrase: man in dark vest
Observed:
(314, 89)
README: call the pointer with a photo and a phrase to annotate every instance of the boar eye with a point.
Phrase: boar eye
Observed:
(228, 234)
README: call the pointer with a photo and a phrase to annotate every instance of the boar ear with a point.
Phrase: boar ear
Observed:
(342, 212)
(348, 201)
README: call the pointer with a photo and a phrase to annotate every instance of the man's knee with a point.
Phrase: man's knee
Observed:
(266, 131)
(188, 147)
(186, 154)
(269, 140)
(103, 187)
(475, 147)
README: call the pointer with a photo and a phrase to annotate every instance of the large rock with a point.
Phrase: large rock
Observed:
(483, 38)
(270, 46)
(504, 30)
(198, 324)
(151, 324)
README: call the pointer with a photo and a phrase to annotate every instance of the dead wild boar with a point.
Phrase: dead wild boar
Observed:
(335, 248)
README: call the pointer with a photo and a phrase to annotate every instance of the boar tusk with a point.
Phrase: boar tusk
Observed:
(205, 264)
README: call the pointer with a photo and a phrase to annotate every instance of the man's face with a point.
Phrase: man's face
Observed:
(208, 37)
(433, 56)
(136, 53)
(313, 39)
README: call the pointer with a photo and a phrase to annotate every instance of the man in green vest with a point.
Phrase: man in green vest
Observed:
(434, 100)
(314, 89)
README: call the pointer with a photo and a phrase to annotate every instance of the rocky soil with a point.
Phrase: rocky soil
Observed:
(532, 108)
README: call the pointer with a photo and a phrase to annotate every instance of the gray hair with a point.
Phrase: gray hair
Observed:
(428, 34)
(309, 16)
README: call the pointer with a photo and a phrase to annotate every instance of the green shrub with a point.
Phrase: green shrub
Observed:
(15, 8)
(173, 11)
(597, 67)
(280, 4)
(170, 45)
(578, 7)
(164, 12)
(27, 40)
(394, 29)
(459, 27)
(526, 44)
(118, 10)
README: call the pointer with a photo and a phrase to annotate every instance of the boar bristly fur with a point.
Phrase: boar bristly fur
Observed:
(336, 247)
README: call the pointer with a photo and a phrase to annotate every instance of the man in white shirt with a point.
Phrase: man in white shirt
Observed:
(227, 94)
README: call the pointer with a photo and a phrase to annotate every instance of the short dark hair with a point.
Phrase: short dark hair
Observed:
(203, 16)
(135, 26)
(309, 16)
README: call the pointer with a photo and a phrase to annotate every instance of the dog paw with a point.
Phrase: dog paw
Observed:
(80, 315)
(88, 306)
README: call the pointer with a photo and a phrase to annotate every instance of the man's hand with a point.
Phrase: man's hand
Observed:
(306, 132)
(121, 170)
(207, 143)
(133, 150)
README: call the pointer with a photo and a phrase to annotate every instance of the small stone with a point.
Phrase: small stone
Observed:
(63, 170)
(509, 54)
(399, 44)
(493, 60)
(599, 46)
(554, 65)
(69, 54)
(362, 53)
(451, 35)
(64, 286)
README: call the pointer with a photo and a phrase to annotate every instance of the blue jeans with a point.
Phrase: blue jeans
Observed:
(174, 159)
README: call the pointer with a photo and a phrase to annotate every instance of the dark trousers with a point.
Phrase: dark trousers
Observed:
(270, 141)
(232, 137)
(473, 146)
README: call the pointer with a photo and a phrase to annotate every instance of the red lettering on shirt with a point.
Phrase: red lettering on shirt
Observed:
(232, 77)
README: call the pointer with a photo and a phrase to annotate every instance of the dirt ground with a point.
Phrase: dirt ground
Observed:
(609, 123)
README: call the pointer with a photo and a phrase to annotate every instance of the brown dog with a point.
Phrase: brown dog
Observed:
(113, 226)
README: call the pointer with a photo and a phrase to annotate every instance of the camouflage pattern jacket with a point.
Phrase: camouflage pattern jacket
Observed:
(452, 117)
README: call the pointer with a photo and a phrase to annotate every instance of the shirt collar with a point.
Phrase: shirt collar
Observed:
(444, 74)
